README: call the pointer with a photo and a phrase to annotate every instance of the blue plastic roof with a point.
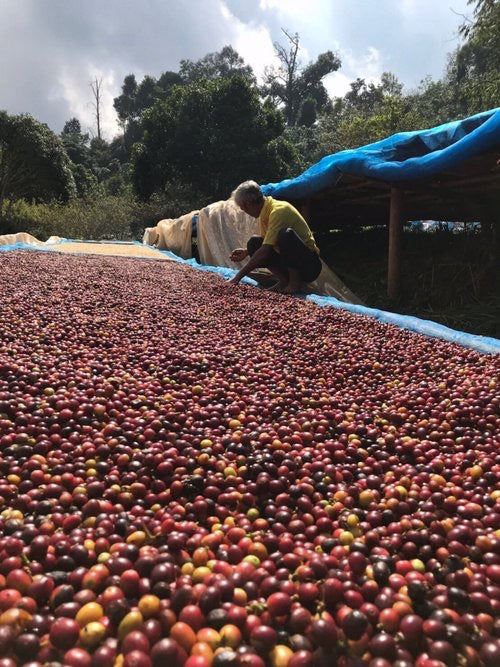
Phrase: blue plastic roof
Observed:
(404, 156)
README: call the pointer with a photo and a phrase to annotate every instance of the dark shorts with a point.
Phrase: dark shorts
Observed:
(293, 254)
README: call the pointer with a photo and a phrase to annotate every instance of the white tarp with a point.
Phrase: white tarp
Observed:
(24, 237)
(173, 235)
(223, 226)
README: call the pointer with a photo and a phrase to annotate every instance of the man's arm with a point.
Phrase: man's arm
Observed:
(256, 260)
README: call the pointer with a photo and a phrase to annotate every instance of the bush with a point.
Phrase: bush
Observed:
(97, 216)
(176, 200)
(19, 216)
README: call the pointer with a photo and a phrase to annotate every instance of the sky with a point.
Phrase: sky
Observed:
(51, 50)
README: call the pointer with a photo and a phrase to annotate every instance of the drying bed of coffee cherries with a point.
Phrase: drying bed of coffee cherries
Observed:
(198, 474)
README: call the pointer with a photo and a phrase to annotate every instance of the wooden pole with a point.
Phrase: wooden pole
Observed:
(395, 231)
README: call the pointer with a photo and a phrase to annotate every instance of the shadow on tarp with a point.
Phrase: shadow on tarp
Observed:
(428, 328)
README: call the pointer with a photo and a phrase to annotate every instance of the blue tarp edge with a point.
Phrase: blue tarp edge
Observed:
(449, 144)
(483, 344)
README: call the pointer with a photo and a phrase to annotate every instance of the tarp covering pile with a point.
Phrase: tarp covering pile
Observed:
(27, 239)
(404, 156)
(221, 227)
(24, 241)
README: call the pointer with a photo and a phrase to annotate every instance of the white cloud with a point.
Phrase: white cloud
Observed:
(255, 46)
(51, 49)
(337, 84)
(367, 66)
(74, 91)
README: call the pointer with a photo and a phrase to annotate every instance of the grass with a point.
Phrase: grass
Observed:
(450, 279)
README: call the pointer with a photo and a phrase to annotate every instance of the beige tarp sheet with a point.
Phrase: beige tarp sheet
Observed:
(173, 235)
(85, 247)
(24, 237)
(222, 226)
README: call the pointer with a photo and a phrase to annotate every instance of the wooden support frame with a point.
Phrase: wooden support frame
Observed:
(394, 253)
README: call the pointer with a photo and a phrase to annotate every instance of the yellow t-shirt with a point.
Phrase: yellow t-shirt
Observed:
(277, 215)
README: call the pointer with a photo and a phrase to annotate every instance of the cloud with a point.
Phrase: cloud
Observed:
(80, 99)
(52, 49)
(66, 44)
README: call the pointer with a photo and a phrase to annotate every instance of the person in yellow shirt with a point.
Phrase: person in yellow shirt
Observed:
(286, 245)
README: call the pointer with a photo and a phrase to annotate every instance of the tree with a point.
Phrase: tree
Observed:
(473, 70)
(363, 98)
(95, 86)
(75, 142)
(435, 101)
(220, 64)
(367, 113)
(33, 162)
(124, 104)
(134, 101)
(77, 147)
(211, 134)
(295, 89)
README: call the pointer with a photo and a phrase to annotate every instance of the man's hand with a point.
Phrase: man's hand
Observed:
(239, 254)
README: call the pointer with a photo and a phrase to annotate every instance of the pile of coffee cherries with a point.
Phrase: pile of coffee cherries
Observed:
(194, 473)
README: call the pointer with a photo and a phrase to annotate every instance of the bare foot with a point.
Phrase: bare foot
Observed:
(278, 287)
(292, 288)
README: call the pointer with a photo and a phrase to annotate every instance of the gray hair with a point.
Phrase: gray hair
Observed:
(249, 191)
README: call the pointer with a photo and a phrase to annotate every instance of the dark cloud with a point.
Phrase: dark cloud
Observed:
(51, 49)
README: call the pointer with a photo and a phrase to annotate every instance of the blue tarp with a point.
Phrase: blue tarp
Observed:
(482, 344)
(405, 156)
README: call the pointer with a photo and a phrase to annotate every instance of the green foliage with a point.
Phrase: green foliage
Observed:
(99, 215)
(448, 278)
(221, 64)
(76, 143)
(136, 98)
(210, 134)
(474, 71)
(96, 216)
(471, 83)
(308, 112)
(305, 140)
(368, 115)
(33, 162)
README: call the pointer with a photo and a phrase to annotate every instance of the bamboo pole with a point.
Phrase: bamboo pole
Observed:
(395, 232)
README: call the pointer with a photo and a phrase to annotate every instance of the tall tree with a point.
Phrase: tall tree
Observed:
(77, 147)
(220, 64)
(125, 103)
(299, 90)
(474, 70)
(367, 112)
(211, 134)
(96, 86)
(33, 162)
(75, 142)
(136, 98)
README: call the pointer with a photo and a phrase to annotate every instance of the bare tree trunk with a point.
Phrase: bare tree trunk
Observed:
(291, 65)
(96, 91)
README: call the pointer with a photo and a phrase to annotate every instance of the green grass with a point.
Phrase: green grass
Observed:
(450, 279)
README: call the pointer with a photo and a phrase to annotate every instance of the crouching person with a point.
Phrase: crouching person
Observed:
(286, 245)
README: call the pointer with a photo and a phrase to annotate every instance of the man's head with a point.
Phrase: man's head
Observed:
(248, 196)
